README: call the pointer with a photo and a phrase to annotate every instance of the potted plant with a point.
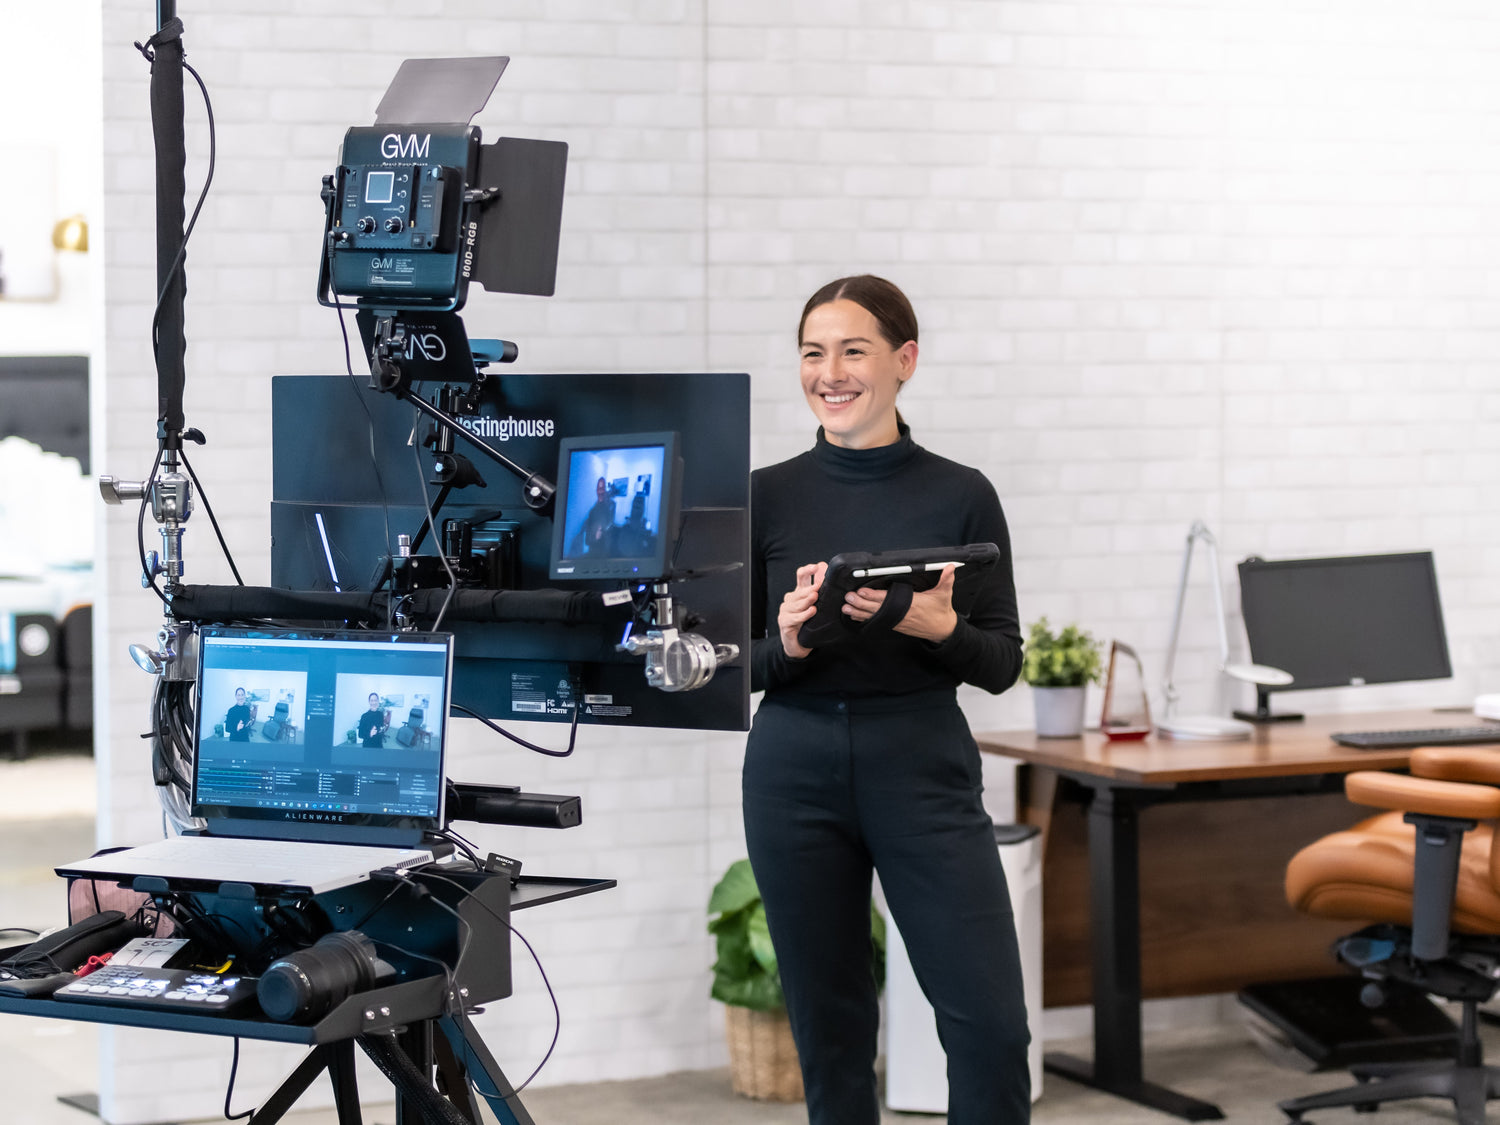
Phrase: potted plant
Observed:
(1058, 666)
(762, 1057)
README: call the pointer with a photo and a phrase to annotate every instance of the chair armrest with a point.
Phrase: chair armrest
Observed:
(1423, 795)
(1457, 763)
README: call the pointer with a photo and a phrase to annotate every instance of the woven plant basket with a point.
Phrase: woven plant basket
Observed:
(762, 1057)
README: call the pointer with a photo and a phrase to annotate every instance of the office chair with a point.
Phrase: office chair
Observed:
(76, 656)
(1428, 877)
(278, 726)
(411, 733)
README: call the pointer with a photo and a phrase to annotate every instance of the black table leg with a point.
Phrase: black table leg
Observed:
(1115, 934)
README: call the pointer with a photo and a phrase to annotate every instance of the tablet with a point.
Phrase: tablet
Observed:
(920, 569)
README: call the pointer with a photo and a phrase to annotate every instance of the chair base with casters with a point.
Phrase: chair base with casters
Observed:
(1427, 873)
(1383, 953)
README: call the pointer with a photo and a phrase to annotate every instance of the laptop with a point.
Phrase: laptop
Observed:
(318, 758)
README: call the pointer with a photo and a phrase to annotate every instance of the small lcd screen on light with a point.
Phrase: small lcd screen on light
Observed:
(379, 186)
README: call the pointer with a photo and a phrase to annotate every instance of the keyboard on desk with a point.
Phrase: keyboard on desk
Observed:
(1407, 739)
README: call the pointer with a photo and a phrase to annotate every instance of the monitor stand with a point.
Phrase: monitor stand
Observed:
(1262, 712)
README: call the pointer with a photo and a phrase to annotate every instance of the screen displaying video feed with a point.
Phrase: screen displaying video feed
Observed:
(292, 723)
(617, 506)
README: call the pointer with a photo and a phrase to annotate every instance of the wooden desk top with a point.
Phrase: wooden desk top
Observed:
(1275, 750)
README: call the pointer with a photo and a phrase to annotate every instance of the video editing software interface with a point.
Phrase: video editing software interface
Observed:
(346, 725)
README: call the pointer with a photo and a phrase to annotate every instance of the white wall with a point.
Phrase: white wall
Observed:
(50, 126)
(1229, 260)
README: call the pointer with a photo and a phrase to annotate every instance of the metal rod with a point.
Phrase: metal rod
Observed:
(538, 490)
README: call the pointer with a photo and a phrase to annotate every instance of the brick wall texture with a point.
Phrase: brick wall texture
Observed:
(1229, 259)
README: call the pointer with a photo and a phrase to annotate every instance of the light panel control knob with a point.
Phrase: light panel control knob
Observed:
(394, 225)
(365, 225)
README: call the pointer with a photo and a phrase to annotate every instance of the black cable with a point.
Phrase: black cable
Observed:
(463, 845)
(556, 1009)
(448, 979)
(209, 508)
(213, 145)
(437, 541)
(397, 1065)
(20, 930)
(167, 735)
(229, 1092)
(572, 731)
(140, 530)
(385, 506)
(390, 894)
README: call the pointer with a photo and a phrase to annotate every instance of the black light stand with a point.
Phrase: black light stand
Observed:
(167, 124)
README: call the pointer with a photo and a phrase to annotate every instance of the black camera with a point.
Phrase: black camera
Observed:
(306, 985)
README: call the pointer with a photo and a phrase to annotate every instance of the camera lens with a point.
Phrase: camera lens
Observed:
(304, 986)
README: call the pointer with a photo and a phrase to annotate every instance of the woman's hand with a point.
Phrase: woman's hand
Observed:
(800, 603)
(931, 616)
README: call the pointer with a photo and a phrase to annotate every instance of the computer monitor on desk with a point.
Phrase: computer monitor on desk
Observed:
(1336, 622)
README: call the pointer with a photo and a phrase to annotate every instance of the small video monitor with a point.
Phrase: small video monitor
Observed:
(617, 506)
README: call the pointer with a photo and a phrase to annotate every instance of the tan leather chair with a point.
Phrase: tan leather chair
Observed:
(1426, 874)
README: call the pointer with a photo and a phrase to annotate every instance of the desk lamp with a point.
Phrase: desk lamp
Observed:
(1209, 728)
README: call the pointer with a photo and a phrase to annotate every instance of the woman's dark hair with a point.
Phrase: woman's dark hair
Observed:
(878, 297)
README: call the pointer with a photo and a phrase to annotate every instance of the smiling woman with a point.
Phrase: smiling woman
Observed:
(859, 759)
(858, 340)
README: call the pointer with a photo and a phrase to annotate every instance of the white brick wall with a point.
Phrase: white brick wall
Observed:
(1172, 260)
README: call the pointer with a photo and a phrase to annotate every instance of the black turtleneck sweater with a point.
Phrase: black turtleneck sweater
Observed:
(895, 497)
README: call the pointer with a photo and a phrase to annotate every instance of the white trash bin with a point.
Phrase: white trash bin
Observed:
(916, 1070)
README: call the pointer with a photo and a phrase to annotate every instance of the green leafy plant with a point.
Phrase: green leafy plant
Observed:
(1068, 658)
(746, 973)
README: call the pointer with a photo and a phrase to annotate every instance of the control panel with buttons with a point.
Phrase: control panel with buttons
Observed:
(131, 986)
(396, 208)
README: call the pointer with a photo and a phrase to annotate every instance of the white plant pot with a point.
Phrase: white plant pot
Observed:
(1059, 711)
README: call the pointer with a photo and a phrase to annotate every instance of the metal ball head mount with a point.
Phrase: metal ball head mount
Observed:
(171, 497)
(675, 660)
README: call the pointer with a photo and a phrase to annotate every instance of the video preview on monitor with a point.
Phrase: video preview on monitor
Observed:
(325, 722)
(617, 506)
(1335, 622)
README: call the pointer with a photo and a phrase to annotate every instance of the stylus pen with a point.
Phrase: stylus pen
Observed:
(882, 571)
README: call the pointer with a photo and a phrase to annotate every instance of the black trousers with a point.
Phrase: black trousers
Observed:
(832, 790)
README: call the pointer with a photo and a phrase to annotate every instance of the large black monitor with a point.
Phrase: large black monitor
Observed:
(1336, 622)
(333, 518)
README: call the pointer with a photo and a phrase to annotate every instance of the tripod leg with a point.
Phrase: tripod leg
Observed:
(452, 1081)
(294, 1086)
(345, 1086)
(481, 1066)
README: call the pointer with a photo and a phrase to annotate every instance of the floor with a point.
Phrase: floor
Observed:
(47, 809)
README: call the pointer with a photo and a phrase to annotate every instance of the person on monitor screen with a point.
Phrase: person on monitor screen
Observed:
(239, 719)
(599, 524)
(372, 724)
(859, 758)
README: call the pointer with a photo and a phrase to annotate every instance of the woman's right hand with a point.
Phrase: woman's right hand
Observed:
(798, 606)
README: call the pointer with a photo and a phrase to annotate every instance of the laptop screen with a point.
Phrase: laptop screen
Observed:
(321, 732)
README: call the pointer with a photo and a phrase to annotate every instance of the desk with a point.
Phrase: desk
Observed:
(1213, 877)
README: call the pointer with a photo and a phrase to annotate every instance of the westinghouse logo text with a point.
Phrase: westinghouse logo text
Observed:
(504, 429)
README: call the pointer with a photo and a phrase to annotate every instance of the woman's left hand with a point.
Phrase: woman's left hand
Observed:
(931, 616)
